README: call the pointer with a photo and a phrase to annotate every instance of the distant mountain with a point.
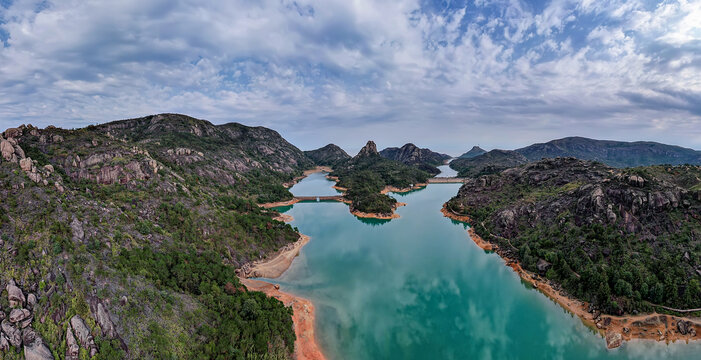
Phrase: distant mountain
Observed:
(411, 154)
(368, 173)
(488, 163)
(613, 153)
(475, 151)
(328, 155)
(369, 150)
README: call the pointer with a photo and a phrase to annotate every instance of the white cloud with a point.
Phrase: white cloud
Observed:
(308, 67)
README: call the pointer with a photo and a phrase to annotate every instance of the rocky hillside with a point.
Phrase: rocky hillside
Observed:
(329, 155)
(123, 239)
(368, 173)
(488, 163)
(410, 154)
(475, 151)
(613, 153)
(621, 239)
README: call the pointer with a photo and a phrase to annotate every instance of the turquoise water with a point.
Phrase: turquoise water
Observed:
(314, 184)
(446, 171)
(418, 288)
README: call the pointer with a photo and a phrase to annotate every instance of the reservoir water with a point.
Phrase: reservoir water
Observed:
(446, 171)
(417, 287)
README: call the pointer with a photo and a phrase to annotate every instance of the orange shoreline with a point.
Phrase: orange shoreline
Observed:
(615, 329)
(306, 347)
(357, 213)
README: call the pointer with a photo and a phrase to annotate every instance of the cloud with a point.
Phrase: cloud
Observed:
(445, 74)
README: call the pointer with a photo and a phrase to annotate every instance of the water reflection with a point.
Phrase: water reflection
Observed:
(418, 288)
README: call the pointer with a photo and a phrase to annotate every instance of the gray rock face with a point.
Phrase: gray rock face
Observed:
(34, 347)
(4, 343)
(14, 295)
(105, 322)
(31, 301)
(77, 228)
(542, 266)
(72, 347)
(370, 149)
(82, 332)
(17, 315)
(683, 326)
(613, 340)
(7, 150)
(14, 336)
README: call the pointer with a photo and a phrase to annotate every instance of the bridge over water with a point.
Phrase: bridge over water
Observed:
(446, 180)
(319, 198)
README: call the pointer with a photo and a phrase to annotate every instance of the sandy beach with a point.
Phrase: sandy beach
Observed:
(277, 264)
(304, 314)
(394, 215)
(389, 189)
(303, 317)
(614, 329)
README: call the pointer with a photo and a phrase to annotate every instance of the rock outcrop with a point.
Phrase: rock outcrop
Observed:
(369, 150)
(82, 332)
(14, 295)
(411, 154)
(72, 347)
(34, 347)
(613, 339)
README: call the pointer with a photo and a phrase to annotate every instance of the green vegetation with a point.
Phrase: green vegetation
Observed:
(365, 177)
(619, 265)
(240, 324)
(160, 211)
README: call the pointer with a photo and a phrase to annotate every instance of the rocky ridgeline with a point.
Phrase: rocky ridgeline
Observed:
(328, 155)
(16, 330)
(13, 152)
(411, 154)
(101, 166)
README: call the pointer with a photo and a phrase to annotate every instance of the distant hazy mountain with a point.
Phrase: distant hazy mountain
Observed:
(613, 153)
(475, 151)
(488, 163)
(328, 155)
(410, 154)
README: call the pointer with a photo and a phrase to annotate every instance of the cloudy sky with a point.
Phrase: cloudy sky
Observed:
(442, 74)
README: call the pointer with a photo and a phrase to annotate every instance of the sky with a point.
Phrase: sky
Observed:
(441, 74)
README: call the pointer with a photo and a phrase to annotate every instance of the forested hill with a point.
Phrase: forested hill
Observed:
(366, 174)
(613, 153)
(621, 239)
(329, 155)
(422, 158)
(488, 163)
(131, 231)
(475, 151)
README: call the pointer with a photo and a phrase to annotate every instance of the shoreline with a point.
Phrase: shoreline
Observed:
(304, 313)
(274, 266)
(390, 188)
(394, 215)
(303, 317)
(614, 329)
(306, 173)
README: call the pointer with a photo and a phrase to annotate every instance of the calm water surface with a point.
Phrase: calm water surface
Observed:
(446, 171)
(314, 184)
(418, 288)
